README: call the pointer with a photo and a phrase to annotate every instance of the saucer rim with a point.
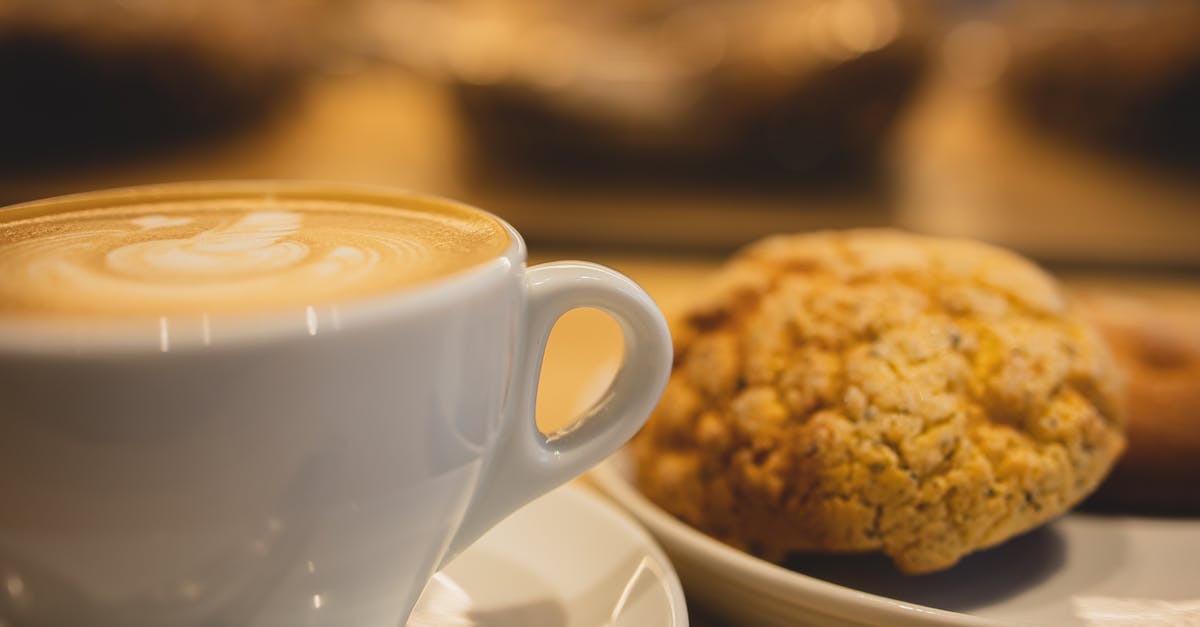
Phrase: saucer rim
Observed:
(797, 591)
(602, 507)
(598, 508)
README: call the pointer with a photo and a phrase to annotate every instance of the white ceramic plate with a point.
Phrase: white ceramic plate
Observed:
(1083, 569)
(569, 559)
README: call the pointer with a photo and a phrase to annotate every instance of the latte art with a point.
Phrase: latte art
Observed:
(230, 256)
(257, 242)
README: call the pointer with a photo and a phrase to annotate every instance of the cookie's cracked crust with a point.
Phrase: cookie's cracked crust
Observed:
(875, 390)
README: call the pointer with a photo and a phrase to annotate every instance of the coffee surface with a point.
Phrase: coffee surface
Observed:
(231, 255)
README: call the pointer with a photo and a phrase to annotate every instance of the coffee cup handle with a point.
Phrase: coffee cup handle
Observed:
(524, 463)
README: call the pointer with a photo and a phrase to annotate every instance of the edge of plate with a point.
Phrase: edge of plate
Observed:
(619, 517)
(831, 599)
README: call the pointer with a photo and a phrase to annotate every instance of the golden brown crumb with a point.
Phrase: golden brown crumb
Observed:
(875, 390)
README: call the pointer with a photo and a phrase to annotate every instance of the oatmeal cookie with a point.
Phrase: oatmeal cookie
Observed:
(879, 391)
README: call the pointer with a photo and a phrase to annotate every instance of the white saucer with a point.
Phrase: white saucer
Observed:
(1083, 569)
(569, 559)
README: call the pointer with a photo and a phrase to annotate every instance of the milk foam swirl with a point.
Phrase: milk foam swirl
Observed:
(223, 256)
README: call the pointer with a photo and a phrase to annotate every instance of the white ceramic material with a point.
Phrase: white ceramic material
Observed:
(1084, 569)
(205, 471)
(569, 559)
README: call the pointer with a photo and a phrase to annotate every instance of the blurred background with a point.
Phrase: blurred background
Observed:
(1067, 129)
(653, 135)
(657, 136)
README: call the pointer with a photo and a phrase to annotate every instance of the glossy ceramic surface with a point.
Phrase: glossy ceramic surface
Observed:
(569, 559)
(1081, 570)
(296, 469)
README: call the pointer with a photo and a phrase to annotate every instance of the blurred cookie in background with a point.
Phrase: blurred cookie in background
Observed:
(92, 81)
(1156, 343)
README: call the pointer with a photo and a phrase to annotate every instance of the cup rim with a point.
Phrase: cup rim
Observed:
(186, 333)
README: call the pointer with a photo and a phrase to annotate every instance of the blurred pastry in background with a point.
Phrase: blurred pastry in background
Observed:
(1120, 76)
(1157, 346)
(870, 390)
(765, 89)
(92, 81)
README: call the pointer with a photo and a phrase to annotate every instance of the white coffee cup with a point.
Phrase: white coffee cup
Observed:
(308, 468)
